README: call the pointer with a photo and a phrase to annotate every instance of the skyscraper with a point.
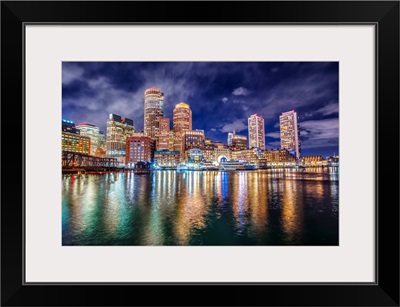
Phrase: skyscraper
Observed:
(193, 139)
(236, 141)
(72, 141)
(153, 110)
(163, 140)
(118, 129)
(92, 132)
(69, 126)
(290, 133)
(171, 140)
(182, 123)
(230, 137)
(256, 131)
(239, 142)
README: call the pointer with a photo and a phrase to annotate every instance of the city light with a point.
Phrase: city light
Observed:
(188, 149)
(190, 154)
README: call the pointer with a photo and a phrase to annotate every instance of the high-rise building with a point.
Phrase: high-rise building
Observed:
(239, 142)
(171, 140)
(193, 139)
(92, 132)
(290, 133)
(256, 131)
(163, 140)
(230, 137)
(182, 123)
(236, 141)
(139, 148)
(153, 110)
(68, 126)
(74, 142)
(118, 129)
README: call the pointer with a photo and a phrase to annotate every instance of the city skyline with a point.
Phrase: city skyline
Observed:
(318, 121)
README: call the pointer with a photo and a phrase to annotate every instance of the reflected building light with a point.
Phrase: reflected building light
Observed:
(289, 214)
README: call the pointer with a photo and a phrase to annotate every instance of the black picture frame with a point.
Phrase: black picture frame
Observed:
(383, 14)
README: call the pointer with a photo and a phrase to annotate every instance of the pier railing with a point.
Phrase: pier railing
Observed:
(78, 160)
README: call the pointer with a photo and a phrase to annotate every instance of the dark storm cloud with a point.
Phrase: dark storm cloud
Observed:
(221, 95)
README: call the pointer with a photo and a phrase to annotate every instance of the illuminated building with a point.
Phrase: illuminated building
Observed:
(163, 140)
(182, 123)
(92, 132)
(102, 140)
(101, 150)
(252, 155)
(218, 145)
(239, 142)
(230, 137)
(290, 132)
(118, 129)
(100, 153)
(208, 143)
(68, 126)
(279, 156)
(311, 160)
(166, 158)
(75, 143)
(193, 139)
(332, 160)
(236, 141)
(208, 154)
(256, 131)
(195, 155)
(138, 133)
(153, 110)
(208, 150)
(171, 140)
(220, 153)
(139, 148)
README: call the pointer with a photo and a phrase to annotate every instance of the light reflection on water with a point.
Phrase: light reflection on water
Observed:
(264, 207)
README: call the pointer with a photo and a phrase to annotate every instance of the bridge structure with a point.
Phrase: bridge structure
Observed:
(78, 161)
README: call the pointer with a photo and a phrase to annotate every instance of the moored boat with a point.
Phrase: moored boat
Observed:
(236, 166)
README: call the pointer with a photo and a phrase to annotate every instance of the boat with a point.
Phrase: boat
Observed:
(236, 166)
(187, 167)
(208, 166)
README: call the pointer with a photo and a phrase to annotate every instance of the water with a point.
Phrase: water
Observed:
(263, 207)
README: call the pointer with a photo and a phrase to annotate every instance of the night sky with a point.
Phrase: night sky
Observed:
(222, 95)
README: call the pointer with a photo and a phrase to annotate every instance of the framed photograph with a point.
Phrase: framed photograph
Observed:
(246, 146)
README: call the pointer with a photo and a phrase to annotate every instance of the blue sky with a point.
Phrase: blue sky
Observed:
(222, 95)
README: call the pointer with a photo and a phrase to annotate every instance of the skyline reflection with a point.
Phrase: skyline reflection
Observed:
(262, 207)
